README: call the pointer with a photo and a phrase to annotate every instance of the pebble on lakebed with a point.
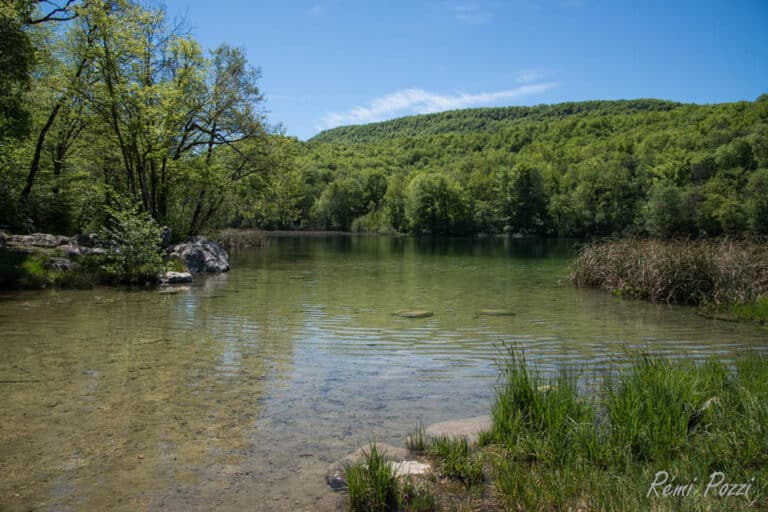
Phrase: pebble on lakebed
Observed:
(496, 312)
(415, 313)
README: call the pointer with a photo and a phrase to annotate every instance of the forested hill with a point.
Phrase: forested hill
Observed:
(571, 170)
(469, 120)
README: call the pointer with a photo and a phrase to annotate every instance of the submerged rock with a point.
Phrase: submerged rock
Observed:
(495, 312)
(173, 290)
(201, 255)
(468, 428)
(416, 313)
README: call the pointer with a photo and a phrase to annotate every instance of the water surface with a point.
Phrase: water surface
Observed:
(237, 392)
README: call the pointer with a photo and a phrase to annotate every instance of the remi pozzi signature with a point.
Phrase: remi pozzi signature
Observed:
(664, 486)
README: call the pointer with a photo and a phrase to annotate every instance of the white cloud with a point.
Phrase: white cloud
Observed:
(418, 101)
(526, 76)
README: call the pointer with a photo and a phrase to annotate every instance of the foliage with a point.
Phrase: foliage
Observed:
(134, 242)
(572, 169)
(435, 204)
(117, 99)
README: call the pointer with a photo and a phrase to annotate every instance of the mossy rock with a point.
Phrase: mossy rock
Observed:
(415, 313)
(496, 312)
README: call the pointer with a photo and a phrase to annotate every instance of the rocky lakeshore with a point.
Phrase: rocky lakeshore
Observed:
(41, 260)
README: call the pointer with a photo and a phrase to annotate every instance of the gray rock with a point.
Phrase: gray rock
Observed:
(59, 264)
(38, 240)
(85, 240)
(334, 473)
(176, 278)
(410, 468)
(201, 255)
(468, 428)
(75, 251)
(72, 251)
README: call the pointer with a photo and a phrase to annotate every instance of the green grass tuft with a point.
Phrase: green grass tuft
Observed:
(456, 460)
(417, 442)
(372, 484)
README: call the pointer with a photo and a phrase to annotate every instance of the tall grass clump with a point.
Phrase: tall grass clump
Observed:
(682, 271)
(542, 420)
(552, 448)
(417, 442)
(372, 484)
(456, 460)
(653, 407)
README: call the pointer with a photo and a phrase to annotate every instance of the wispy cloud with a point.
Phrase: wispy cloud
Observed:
(527, 76)
(419, 101)
(470, 12)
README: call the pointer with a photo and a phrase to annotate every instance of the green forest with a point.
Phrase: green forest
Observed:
(110, 106)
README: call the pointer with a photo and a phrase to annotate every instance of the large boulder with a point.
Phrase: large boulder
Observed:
(38, 240)
(201, 255)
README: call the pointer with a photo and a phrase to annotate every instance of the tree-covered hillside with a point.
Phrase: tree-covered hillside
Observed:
(574, 169)
(469, 120)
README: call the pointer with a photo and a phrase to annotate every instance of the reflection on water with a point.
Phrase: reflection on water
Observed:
(237, 392)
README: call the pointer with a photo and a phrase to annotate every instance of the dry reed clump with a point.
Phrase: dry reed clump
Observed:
(676, 271)
(235, 239)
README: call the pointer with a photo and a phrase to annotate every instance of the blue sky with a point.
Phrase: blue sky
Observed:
(336, 62)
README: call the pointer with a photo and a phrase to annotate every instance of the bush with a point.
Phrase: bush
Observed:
(134, 253)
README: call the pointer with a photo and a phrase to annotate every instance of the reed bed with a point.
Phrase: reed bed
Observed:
(236, 239)
(714, 272)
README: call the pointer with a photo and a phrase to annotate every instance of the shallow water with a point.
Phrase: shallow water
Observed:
(236, 393)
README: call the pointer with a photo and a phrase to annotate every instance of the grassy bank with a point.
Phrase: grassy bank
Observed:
(724, 277)
(656, 434)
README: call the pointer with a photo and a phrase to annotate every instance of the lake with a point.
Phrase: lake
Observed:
(237, 392)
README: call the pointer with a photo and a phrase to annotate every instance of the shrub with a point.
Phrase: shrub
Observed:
(134, 251)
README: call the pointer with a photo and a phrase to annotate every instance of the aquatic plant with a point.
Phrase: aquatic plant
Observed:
(681, 271)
